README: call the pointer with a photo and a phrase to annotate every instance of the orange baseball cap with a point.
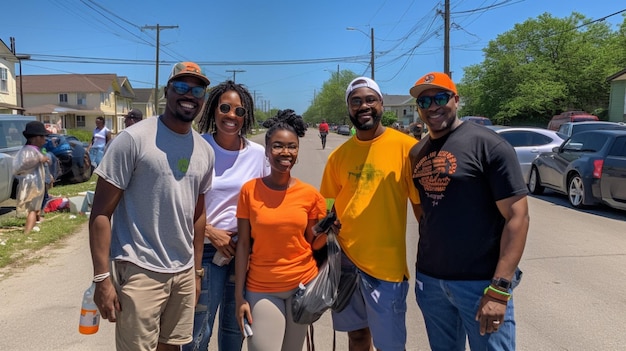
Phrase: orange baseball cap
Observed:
(432, 80)
(188, 69)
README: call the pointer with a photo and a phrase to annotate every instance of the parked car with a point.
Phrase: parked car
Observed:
(529, 143)
(590, 168)
(570, 128)
(11, 141)
(570, 116)
(75, 164)
(477, 119)
(343, 130)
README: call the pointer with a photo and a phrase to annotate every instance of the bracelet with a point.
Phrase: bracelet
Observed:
(101, 277)
(496, 294)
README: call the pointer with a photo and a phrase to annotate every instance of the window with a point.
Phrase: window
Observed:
(81, 99)
(619, 147)
(4, 84)
(80, 121)
(63, 98)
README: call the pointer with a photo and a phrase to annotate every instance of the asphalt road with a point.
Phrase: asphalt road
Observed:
(572, 296)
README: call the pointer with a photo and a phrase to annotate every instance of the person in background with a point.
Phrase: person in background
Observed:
(101, 137)
(276, 215)
(227, 118)
(369, 177)
(133, 116)
(146, 228)
(323, 129)
(473, 228)
(29, 167)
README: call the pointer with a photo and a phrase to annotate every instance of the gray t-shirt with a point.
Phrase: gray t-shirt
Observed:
(162, 173)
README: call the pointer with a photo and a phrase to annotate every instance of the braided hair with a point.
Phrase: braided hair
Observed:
(207, 121)
(284, 120)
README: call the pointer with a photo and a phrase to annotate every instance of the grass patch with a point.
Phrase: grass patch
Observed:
(19, 250)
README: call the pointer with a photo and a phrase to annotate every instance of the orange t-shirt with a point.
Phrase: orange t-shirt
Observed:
(281, 258)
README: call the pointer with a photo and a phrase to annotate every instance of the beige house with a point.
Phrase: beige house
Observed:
(8, 91)
(73, 101)
(144, 101)
(403, 106)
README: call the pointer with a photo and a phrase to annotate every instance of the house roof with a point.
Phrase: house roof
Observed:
(51, 108)
(397, 100)
(621, 75)
(69, 83)
(6, 53)
(144, 94)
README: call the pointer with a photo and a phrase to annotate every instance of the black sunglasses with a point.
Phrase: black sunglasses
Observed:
(440, 99)
(239, 111)
(182, 88)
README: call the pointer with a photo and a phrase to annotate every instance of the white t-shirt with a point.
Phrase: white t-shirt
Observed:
(232, 170)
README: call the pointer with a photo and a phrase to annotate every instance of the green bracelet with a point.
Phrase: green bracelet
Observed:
(503, 293)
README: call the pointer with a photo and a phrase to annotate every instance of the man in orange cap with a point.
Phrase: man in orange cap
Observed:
(152, 181)
(473, 227)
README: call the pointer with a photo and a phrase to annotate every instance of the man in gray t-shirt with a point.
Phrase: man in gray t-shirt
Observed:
(146, 229)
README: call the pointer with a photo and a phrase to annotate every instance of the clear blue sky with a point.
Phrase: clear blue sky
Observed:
(265, 38)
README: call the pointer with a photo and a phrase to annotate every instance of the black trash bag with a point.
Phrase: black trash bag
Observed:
(347, 286)
(310, 302)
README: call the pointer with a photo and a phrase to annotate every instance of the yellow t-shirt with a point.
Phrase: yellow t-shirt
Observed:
(370, 182)
(281, 258)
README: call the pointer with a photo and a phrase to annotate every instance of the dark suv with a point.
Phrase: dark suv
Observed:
(570, 128)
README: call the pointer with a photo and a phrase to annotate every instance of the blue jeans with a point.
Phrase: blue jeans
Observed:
(449, 308)
(217, 290)
(378, 305)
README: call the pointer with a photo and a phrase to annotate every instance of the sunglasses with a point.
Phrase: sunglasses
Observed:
(239, 111)
(182, 88)
(440, 99)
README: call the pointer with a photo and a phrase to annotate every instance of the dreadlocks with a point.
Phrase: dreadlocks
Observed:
(284, 120)
(207, 121)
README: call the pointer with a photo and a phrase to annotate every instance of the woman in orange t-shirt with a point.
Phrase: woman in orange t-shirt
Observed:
(276, 215)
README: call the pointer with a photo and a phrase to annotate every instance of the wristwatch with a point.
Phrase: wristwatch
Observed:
(501, 283)
(200, 272)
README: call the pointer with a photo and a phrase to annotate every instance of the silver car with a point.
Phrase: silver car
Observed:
(529, 143)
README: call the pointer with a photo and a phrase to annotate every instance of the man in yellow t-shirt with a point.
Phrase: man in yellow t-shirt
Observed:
(369, 176)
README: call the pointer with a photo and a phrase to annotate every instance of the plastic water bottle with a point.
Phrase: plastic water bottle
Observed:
(89, 313)
(221, 260)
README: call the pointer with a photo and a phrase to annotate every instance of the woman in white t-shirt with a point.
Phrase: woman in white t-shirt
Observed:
(227, 117)
(101, 137)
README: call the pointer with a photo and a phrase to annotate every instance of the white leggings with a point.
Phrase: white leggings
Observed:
(273, 325)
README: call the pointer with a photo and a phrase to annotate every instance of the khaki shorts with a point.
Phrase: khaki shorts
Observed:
(156, 307)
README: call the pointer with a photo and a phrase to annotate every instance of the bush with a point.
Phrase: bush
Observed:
(81, 134)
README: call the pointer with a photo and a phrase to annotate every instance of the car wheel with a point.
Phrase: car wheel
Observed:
(534, 182)
(576, 191)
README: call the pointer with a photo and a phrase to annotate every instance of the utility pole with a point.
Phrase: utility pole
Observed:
(234, 73)
(19, 59)
(158, 29)
(372, 58)
(446, 39)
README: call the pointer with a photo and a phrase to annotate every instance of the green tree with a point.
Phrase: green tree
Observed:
(542, 67)
(329, 103)
(388, 118)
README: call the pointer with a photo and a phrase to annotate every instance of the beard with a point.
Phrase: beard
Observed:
(184, 117)
(376, 117)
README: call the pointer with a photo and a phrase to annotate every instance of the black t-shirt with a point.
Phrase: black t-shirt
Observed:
(460, 177)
